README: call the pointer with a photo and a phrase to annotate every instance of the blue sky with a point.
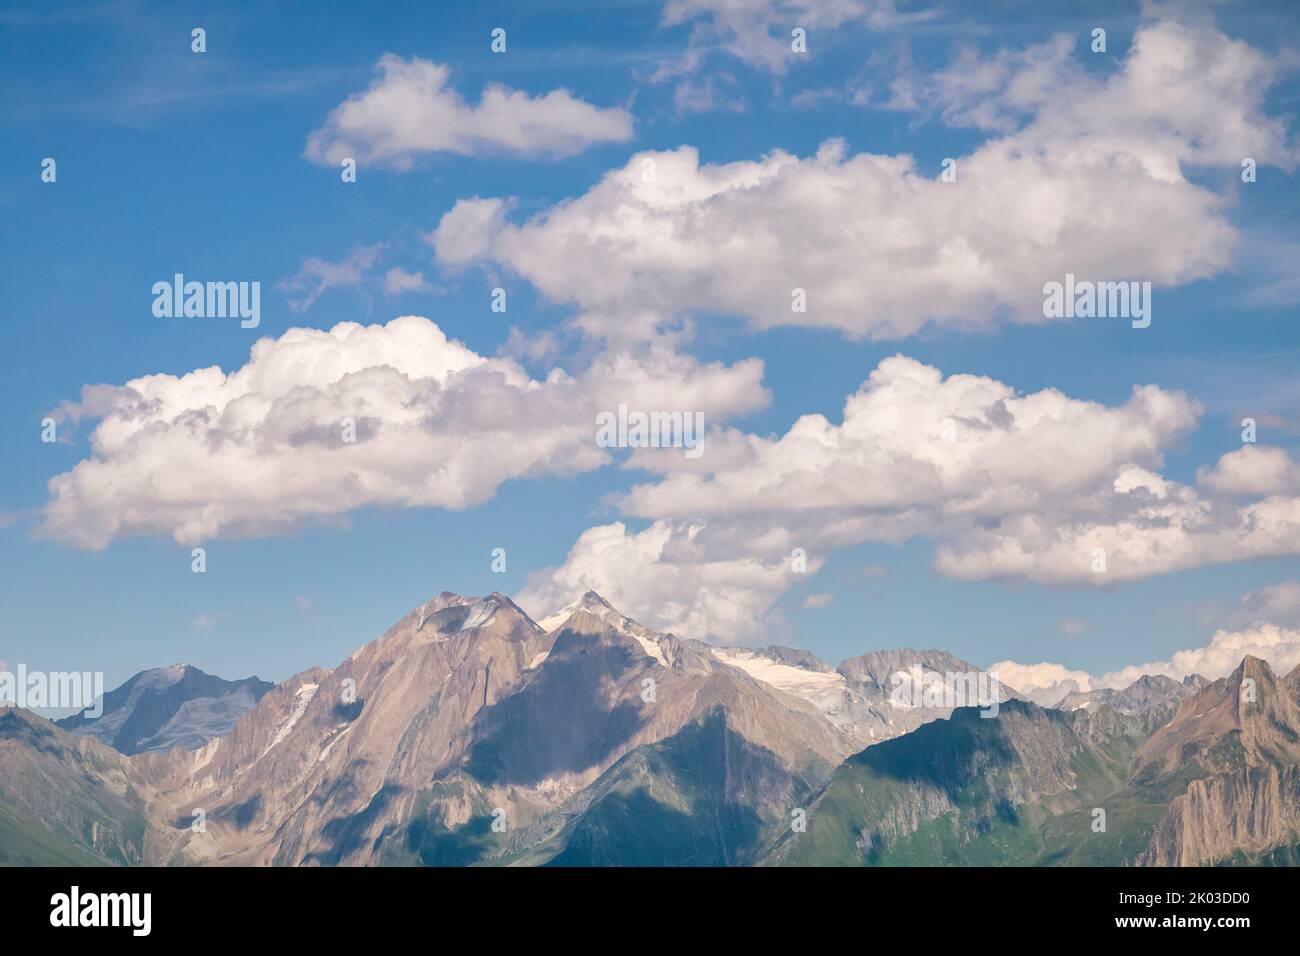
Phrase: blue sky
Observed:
(171, 161)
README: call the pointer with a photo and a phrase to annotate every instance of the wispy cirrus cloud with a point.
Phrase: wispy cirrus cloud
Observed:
(317, 276)
(398, 281)
(758, 31)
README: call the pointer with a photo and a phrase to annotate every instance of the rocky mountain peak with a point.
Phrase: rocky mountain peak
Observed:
(449, 614)
(795, 657)
(1255, 668)
(591, 603)
(1245, 717)
(878, 667)
(592, 598)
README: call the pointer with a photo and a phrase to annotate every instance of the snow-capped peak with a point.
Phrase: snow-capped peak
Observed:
(591, 602)
(595, 605)
(161, 676)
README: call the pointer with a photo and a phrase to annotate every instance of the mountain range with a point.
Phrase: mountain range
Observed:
(470, 734)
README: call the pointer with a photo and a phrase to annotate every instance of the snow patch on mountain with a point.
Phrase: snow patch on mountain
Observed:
(337, 735)
(825, 690)
(481, 614)
(651, 648)
(553, 621)
(160, 677)
(301, 699)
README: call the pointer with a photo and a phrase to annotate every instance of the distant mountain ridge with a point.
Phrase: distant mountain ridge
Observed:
(1209, 777)
(470, 734)
(858, 696)
(177, 706)
(1147, 691)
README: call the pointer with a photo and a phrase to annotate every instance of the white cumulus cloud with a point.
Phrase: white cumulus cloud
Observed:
(1091, 181)
(265, 447)
(1044, 684)
(1048, 683)
(1253, 470)
(1007, 486)
(1280, 646)
(410, 110)
(664, 578)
